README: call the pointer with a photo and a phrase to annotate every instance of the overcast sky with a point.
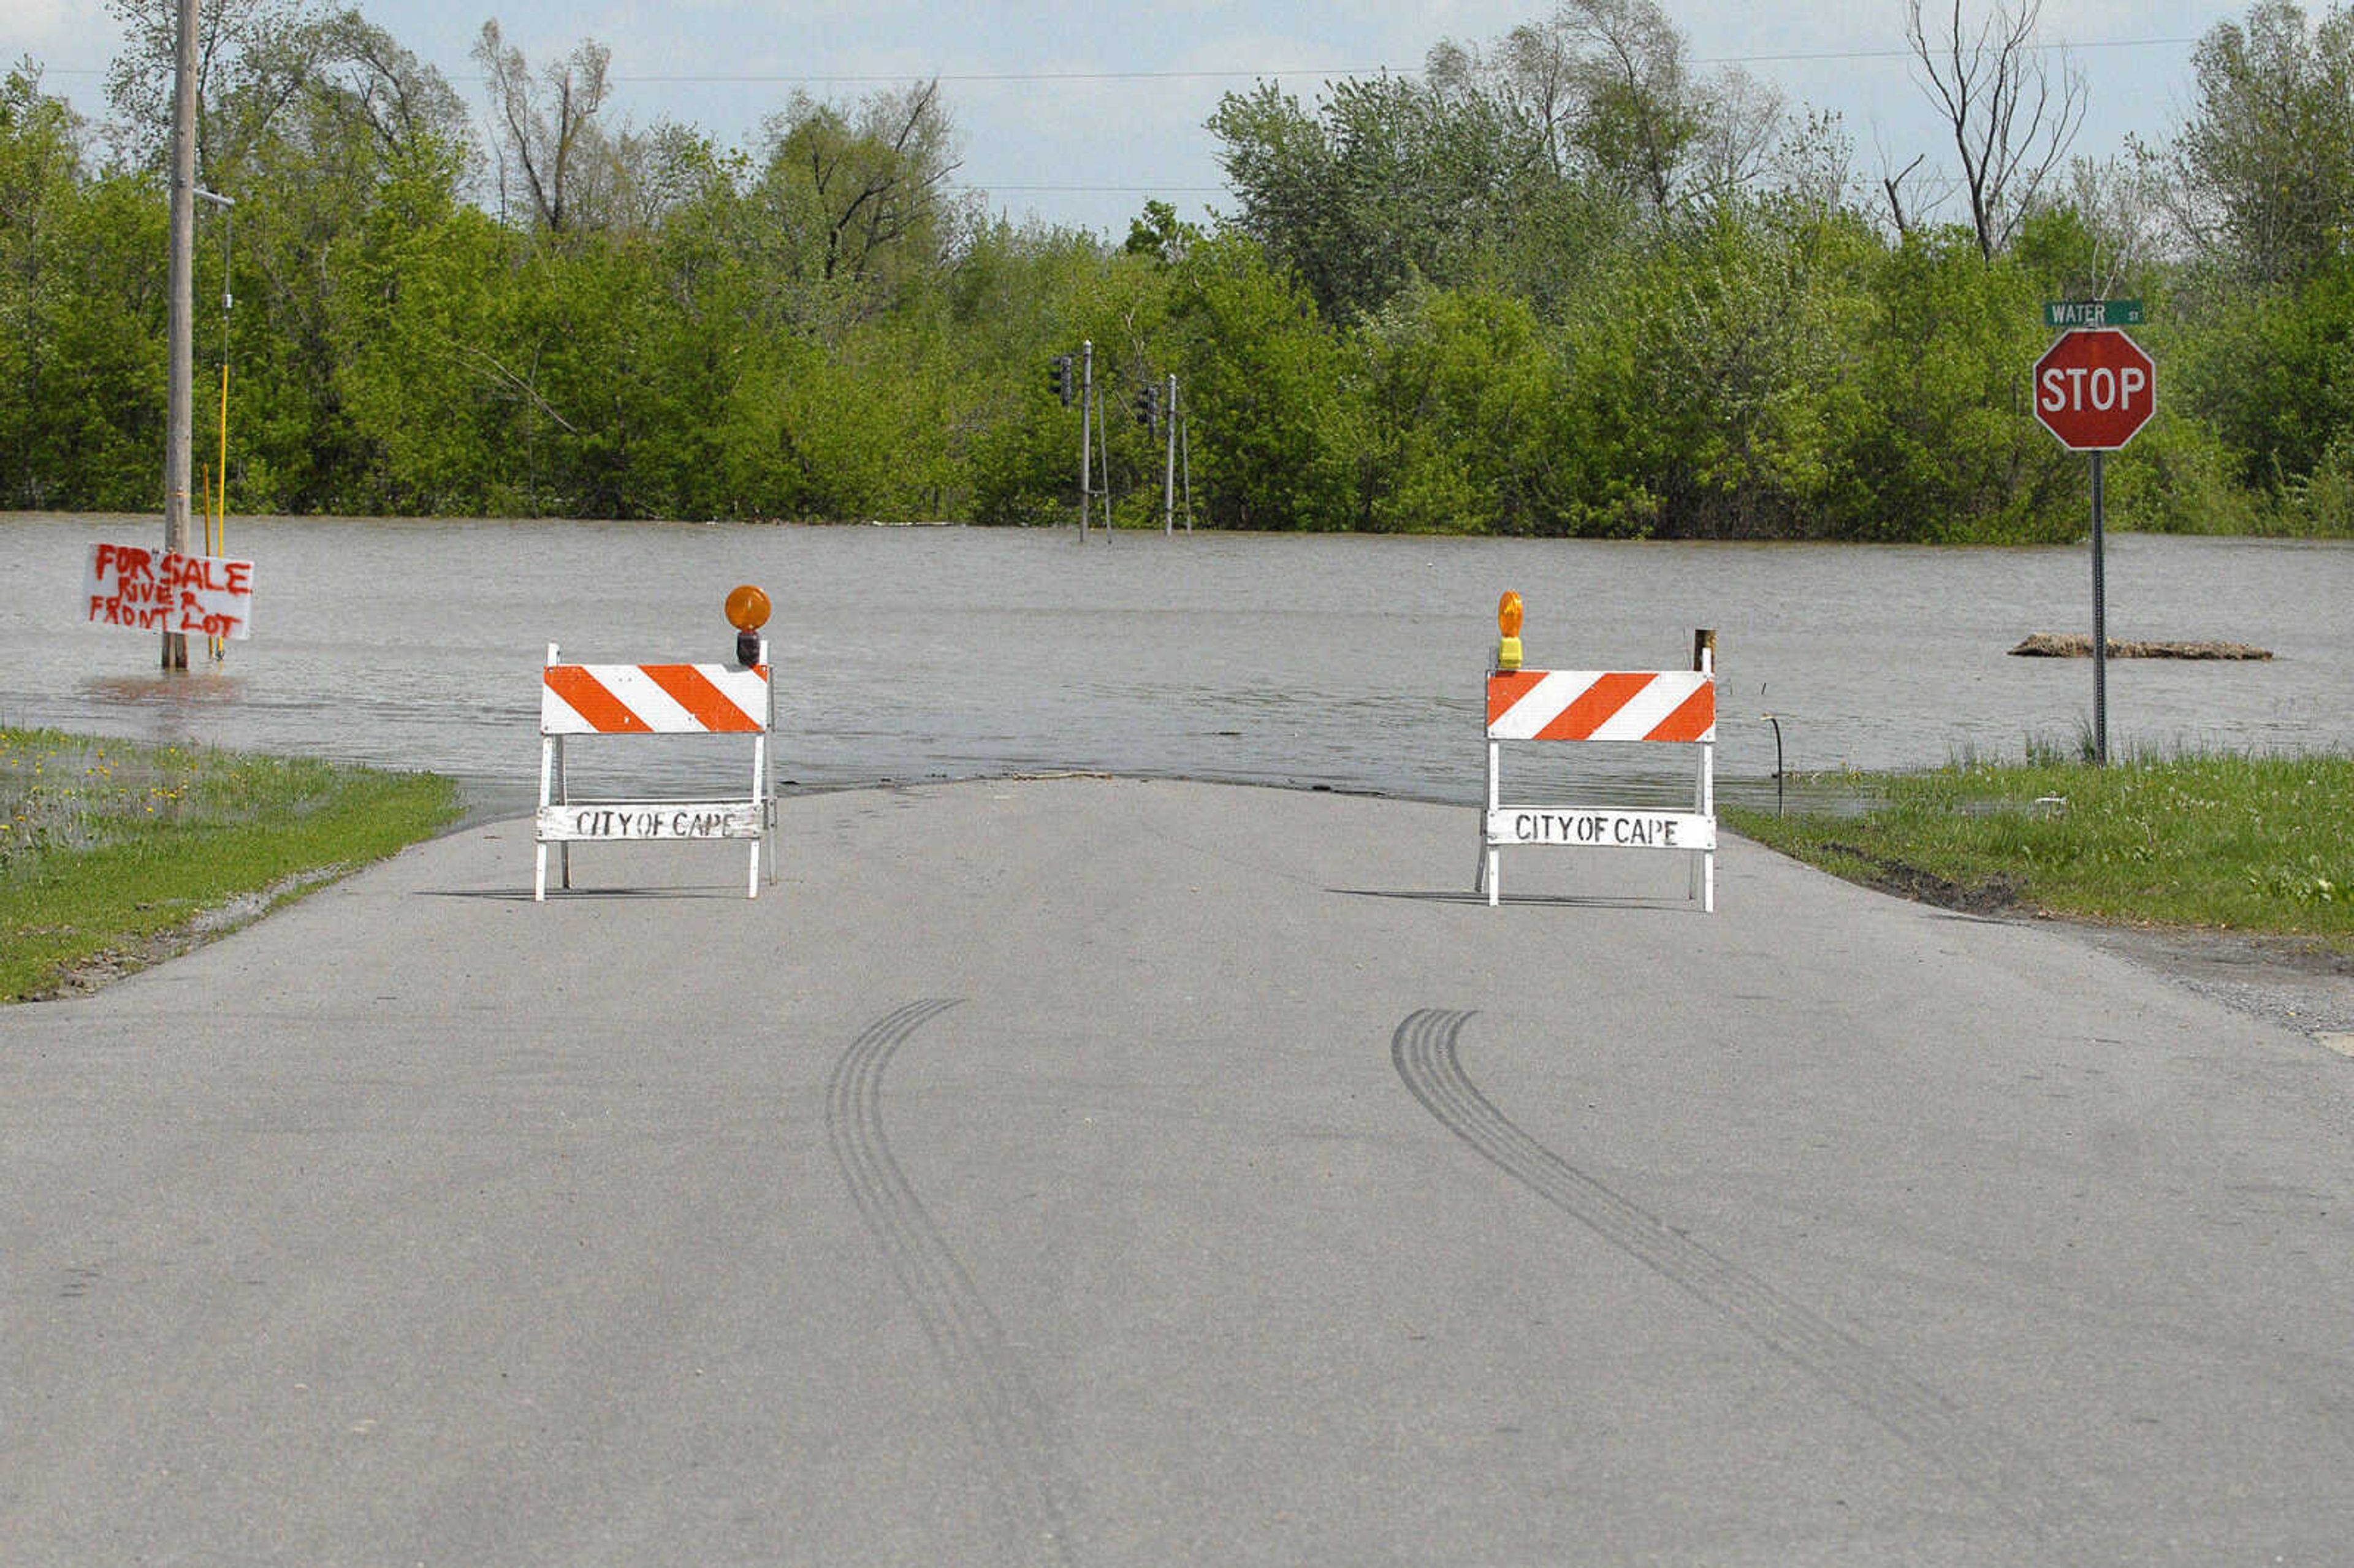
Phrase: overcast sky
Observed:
(1078, 114)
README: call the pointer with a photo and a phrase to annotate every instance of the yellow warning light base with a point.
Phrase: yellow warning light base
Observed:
(747, 607)
(1508, 653)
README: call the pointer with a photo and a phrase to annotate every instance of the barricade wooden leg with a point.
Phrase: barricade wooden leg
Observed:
(564, 794)
(1495, 787)
(759, 773)
(547, 777)
(1706, 807)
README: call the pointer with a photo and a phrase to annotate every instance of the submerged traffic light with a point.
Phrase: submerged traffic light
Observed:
(1058, 378)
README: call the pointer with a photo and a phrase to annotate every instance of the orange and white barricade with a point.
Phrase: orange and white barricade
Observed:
(1655, 707)
(577, 700)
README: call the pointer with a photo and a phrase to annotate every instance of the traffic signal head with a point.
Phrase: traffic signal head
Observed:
(1058, 378)
(1147, 407)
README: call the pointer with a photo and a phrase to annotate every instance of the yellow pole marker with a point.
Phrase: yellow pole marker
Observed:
(1508, 631)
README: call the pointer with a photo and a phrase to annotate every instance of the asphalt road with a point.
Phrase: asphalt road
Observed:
(1087, 1172)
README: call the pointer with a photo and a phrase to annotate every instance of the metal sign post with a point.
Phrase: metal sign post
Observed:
(2100, 631)
(2094, 388)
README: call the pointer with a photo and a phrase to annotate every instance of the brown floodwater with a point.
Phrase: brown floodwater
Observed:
(1350, 662)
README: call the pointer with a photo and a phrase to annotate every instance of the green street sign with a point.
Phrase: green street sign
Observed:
(2092, 313)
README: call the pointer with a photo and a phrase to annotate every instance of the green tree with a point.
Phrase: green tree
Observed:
(240, 45)
(1260, 372)
(1157, 232)
(2274, 377)
(99, 442)
(338, 121)
(40, 189)
(2260, 179)
(859, 195)
(1463, 429)
(1715, 375)
(82, 303)
(1019, 296)
(1603, 95)
(1638, 116)
(1952, 451)
(1391, 181)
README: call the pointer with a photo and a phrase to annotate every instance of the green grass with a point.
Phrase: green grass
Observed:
(2258, 845)
(115, 854)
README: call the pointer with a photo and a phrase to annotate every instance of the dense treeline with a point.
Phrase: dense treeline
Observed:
(1562, 282)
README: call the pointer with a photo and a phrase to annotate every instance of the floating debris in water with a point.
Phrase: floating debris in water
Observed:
(2076, 645)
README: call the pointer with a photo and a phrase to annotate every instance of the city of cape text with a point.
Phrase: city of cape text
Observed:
(1600, 828)
(650, 820)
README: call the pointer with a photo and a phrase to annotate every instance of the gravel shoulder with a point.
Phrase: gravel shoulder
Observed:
(2298, 984)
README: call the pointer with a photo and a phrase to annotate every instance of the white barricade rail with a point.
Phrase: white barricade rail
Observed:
(652, 699)
(1667, 707)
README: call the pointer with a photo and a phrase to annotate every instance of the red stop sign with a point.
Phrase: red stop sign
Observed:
(2094, 388)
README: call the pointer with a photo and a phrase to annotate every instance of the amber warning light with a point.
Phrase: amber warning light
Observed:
(747, 611)
(1508, 631)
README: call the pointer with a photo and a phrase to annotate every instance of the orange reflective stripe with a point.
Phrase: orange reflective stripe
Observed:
(1694, 719)
(1595, 705)
(692, 690)
(586, 696)
(1505, 688)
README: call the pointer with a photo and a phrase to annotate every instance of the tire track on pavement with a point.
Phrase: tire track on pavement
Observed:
(994, 1396)
(1424, 1052)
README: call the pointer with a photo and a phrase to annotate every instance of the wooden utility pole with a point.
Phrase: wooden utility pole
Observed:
(180, 343)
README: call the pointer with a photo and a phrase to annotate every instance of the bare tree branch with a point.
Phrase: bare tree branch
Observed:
(546, 129)
(1893, 185)
(2014, 109)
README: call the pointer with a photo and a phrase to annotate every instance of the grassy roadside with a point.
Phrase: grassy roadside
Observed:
(114, 856)
(2260, 846)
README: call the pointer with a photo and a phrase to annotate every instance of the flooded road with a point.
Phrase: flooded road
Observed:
(1351, 662)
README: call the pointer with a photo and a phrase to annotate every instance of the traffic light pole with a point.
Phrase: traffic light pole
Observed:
(1103, 462)
(1087, 435)
(1169, 465)
(1186, 470)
